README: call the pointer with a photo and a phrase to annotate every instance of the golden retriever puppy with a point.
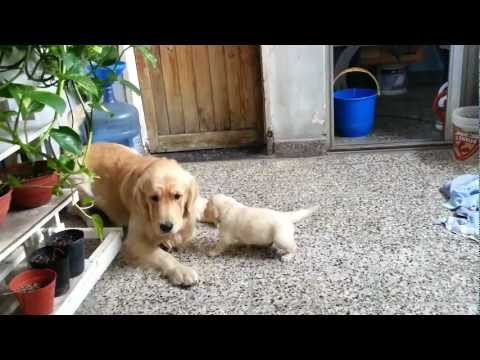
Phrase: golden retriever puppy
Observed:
(239, 224)
(156, 199)
(200, 206)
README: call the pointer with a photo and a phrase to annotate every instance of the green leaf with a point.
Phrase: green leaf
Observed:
(92, 52)
(108, 56)
(57, 190)
(56, 50)
(5, 91)
(47, 98)
(70, 60)
(25, 103)
(98, 223)
(29, 107)
(103, 108)
(5, 115)
(129, 85)
(88, 85)
(30, 152)
(13, 181)
(111, 77)
(52, 164)
(84, 82)
(147, 54)
(68, 139)
(86, 202)
(66, 163)
(17, 91)
(35, 107)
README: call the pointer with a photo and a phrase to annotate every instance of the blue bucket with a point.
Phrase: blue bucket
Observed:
(355, 109)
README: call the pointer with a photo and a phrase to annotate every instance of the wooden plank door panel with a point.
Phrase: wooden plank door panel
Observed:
(219, 87)
(233, 65)
(187, 87)
(250, 85)
(168, 62)
(203, 87)
(202, 96)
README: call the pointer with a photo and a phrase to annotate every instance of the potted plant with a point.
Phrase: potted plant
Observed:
(51, 257)
(34, 290)
(71, 241)
(34, 185)
(5, 200)
(36, 77)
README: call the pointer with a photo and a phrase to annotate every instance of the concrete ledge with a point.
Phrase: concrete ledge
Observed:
(300, 148)
(283, 149)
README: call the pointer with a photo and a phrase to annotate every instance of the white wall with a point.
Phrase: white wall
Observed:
(296, 87)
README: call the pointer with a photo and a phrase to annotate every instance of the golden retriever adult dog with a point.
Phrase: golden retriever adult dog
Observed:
(156, 199)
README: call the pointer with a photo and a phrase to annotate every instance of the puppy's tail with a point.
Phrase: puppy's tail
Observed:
(296, 216)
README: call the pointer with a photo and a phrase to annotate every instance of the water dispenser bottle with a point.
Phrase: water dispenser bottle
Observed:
(123, 127)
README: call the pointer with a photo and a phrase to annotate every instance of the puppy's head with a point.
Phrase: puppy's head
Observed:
(216, 206)
(165, 196)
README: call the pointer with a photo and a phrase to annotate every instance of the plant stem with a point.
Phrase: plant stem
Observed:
(17, 119)
(89, 120)
(5, 140)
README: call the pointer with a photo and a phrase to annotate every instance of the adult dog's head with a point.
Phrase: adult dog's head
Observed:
(165, 195)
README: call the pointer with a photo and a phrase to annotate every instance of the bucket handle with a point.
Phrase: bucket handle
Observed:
(358, 69)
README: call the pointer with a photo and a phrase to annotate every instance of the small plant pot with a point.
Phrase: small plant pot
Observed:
(72, 242)
(35, 290)
(37, 184)
(5, 200)
(50, 257)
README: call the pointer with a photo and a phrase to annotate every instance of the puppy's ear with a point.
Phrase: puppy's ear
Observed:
(215, 212)
(190, 202)
(211, 212)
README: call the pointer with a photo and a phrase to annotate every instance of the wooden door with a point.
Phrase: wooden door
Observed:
(202, 96)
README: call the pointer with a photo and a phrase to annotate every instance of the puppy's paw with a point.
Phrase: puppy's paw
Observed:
(217, 250)
(183, 275)
(213, 253)
(287, 257)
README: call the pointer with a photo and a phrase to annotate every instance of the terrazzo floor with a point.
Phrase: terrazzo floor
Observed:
(370, 249)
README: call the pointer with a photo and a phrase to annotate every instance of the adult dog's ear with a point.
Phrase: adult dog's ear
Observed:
(140, 198)
(190, 202)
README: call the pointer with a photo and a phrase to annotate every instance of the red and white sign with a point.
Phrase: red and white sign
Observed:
(465, 144)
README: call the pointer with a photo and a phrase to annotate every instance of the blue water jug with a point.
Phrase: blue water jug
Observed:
(123, 127)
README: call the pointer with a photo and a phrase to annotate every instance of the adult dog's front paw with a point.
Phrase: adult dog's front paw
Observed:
(183, 276)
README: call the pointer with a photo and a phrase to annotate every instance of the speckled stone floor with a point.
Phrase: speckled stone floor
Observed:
(370, 249)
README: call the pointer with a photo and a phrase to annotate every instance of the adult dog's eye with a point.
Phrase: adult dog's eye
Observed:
(154, 198)
(177, 196)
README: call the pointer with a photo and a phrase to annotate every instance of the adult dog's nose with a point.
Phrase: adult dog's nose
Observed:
(166, 227)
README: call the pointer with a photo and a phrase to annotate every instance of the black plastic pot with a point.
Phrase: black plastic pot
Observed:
(73, 242)
(49, 257)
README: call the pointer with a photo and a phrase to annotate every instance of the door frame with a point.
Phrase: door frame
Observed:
(131, 74)
(461, 69)
(133, 98)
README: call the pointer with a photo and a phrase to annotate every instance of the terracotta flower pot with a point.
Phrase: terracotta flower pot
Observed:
(5, 200)
(39, 299)
(34, 191)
